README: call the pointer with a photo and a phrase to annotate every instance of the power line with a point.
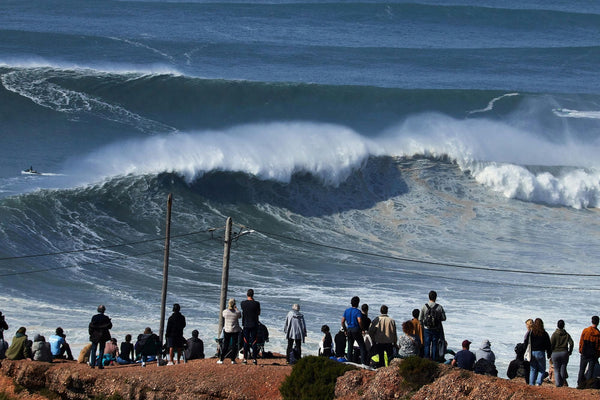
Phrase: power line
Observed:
(57, 253)
(421, 261)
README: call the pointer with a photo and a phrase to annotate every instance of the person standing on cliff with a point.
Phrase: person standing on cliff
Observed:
(352, 323)
(383, 333)
(431, 316)
(589, 348)
(250, 313)
(295, 333)
(99, 330)
(175, 340)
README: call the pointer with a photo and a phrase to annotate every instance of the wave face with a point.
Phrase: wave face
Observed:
(371, 149)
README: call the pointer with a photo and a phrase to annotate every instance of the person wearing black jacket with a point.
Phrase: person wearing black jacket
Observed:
(174, 334)
(540, 344)
(99, 334)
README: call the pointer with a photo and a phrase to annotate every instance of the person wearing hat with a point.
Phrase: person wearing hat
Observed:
(465, 358)
(59, 345)
(174, 334)
(20, 347)
(99, 335)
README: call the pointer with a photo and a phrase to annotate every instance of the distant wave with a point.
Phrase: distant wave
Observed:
(490, 105)
(566, 113)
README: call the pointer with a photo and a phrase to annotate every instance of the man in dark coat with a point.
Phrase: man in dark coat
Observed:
(174, 334)
(250, 314)
(99, 334)
(195, 347)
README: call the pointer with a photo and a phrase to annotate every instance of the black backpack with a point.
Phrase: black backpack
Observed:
(433, 317)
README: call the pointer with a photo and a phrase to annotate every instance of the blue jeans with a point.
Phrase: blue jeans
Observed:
(431, 337)
(538, 367)
(100, 347)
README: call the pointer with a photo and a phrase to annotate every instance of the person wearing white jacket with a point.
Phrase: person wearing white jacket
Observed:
(295, 333)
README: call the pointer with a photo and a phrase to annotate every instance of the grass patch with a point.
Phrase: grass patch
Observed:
(313, 378)
(6, 396)
(417, 372)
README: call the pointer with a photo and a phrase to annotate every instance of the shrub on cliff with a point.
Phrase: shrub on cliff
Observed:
(418, 371)
(313, 378)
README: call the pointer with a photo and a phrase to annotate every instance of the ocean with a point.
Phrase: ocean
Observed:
(378, 149)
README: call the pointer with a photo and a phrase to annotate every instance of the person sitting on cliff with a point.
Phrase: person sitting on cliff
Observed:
(340, 343)
(126, 355)
(148, 346)
(486, 359)
(41, 350)
(59, 345)
(111, 352)
(326, 343)
(20, 347)
(194, 347)
(519, 368)
(465, 358)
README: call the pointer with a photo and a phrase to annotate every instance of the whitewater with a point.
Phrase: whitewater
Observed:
(373, 149)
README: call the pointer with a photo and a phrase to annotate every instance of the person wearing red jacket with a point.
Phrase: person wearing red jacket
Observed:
(589, 348)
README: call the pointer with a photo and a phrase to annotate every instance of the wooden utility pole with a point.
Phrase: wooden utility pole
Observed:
(225, 273)
(165, 269)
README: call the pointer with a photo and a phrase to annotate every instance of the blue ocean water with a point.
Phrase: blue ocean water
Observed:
(379, 149)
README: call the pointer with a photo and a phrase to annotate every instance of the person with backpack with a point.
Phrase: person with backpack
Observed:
(431, 317)
(486, 360)
(589, 348)
(295, 333)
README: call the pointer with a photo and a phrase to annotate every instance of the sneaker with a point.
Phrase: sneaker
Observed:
(170, 363)
(220, 362)
(143, 364)
(254, 361)
(233, 362)
(245, 361)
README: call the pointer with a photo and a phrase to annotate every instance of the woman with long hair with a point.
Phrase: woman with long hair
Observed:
(540, 344)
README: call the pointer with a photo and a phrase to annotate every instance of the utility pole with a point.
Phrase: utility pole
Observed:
(165, 270)
(225, 273)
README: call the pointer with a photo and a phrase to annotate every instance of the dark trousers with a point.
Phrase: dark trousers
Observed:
(100, 347)
(290, 346)
(355, 335)
(381, 348)
(589, 364)
(230, 345)
(250, 342)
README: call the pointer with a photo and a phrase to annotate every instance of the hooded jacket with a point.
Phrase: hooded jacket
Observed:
(486, 352)
(19, 348)
(561, 341)
(295, 327)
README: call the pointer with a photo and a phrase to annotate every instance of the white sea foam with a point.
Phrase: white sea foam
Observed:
(495, 153)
